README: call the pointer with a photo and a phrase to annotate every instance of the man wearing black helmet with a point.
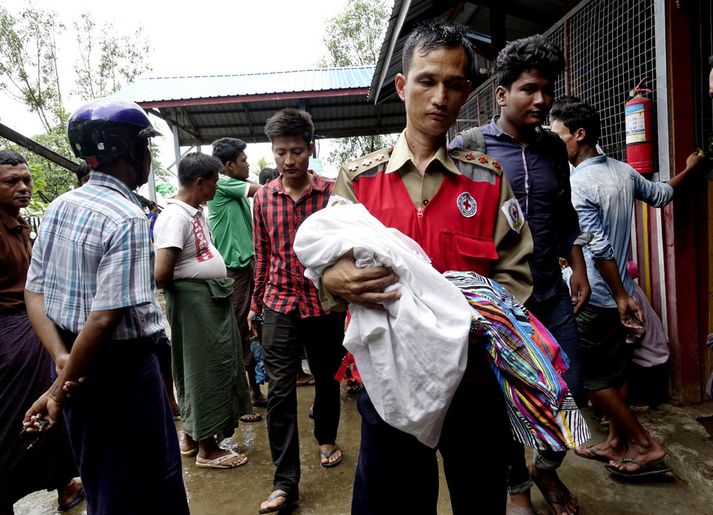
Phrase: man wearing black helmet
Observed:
(91, 297)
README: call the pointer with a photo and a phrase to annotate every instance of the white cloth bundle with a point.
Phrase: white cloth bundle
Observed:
(412, 356)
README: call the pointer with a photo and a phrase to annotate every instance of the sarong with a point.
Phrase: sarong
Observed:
(24, 376)
(123, 435)
(207, 357)
(528, 364)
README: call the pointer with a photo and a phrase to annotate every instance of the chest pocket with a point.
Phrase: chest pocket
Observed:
(468, 253)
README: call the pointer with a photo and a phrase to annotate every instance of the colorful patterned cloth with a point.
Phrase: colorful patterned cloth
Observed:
(528, 364)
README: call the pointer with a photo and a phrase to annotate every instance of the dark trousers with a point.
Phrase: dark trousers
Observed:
(398, 474)
(557, 316)
(242, 294)
(283, 337)
(124, 403)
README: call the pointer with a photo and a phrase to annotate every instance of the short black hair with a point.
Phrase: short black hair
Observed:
(195, 165)
(227, 149)
(83, 170)
(430, 35)
(530, 53)
(290, 122)
(710, 61)
(574, 114)
(268, 174)
(12, 158)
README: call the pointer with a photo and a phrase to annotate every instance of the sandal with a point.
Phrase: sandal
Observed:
(328, 454)
(290, 502)
(220, 462)
(251, 417)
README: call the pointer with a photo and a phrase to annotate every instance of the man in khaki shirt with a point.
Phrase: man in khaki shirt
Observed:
(461, 210)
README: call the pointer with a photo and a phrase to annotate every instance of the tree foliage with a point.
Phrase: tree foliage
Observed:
(106, 61)
(28, 63)
(29, 73)
(353, 38)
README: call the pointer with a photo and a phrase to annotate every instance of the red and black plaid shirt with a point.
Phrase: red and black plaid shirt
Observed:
(280, 283)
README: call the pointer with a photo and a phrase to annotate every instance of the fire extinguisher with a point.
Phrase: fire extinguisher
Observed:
(639, 130)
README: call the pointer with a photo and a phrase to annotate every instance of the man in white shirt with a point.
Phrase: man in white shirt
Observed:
(207, 361)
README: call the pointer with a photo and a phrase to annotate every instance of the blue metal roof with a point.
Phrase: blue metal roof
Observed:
(161, 89)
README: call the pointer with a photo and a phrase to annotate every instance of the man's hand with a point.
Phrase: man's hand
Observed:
(363, 286)
(695, 158)
(45, 408)
(579, 288)
(630, 313)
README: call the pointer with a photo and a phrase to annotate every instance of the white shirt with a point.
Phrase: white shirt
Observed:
(183, 226)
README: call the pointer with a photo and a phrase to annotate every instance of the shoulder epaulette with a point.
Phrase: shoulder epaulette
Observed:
(476, 158)
(367, 162)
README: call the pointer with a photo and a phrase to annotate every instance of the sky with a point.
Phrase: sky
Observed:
(196, 38)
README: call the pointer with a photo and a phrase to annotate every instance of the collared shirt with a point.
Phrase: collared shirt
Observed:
(14, 260)
(93, 253)
(538, 175)
(184, 227)
(231, 222)
(603, 193)
(280, 283)
(511, 268)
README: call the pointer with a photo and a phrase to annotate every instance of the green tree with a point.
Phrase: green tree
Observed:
(29, 73)
(28, 62)
(353, 38)
(107, 61)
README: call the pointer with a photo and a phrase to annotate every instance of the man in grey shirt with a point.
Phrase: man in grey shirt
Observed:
(603, 193)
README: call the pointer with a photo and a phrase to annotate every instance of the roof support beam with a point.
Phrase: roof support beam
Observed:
(250, 122)
(30, 144)
(172, 122)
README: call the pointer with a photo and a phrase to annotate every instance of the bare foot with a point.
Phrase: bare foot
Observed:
(520, 504)
(558, 497)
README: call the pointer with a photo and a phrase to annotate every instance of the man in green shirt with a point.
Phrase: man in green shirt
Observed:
(231, 223)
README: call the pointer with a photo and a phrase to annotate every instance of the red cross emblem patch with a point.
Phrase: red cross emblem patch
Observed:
(467, 205)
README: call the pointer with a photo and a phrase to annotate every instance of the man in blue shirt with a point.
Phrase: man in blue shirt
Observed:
(91, 297)
(603, 193)
(535, 162)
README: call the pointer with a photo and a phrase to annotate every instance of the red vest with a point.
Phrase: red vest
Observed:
(455, 228)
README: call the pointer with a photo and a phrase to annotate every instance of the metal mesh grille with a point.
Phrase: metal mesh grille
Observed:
(609, 46)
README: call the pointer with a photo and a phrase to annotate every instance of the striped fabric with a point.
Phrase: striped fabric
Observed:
(280, 283)
(93, 253)
(528, 364)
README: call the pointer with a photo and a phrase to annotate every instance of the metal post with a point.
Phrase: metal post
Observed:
(176, 145)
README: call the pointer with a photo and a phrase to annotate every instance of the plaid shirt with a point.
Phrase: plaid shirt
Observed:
(93, 253)
(280, 283)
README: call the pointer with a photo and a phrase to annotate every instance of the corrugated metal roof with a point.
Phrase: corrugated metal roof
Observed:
(205, 108)
(520, 18)
(161, 89)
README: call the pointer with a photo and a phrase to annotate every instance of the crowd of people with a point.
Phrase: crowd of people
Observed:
(83, 331)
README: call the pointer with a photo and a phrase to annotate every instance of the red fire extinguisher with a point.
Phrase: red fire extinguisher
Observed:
(639, 130)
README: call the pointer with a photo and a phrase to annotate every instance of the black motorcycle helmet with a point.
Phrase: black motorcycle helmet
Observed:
(107, 129)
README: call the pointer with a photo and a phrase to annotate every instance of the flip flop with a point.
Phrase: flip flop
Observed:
(590, 454)
(251, 417)
(220, 463)
(654, 470)
(71, 504)
(289, 504)
(328, 454)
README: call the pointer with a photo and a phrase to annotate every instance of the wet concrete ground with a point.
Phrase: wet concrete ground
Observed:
(328, 491)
